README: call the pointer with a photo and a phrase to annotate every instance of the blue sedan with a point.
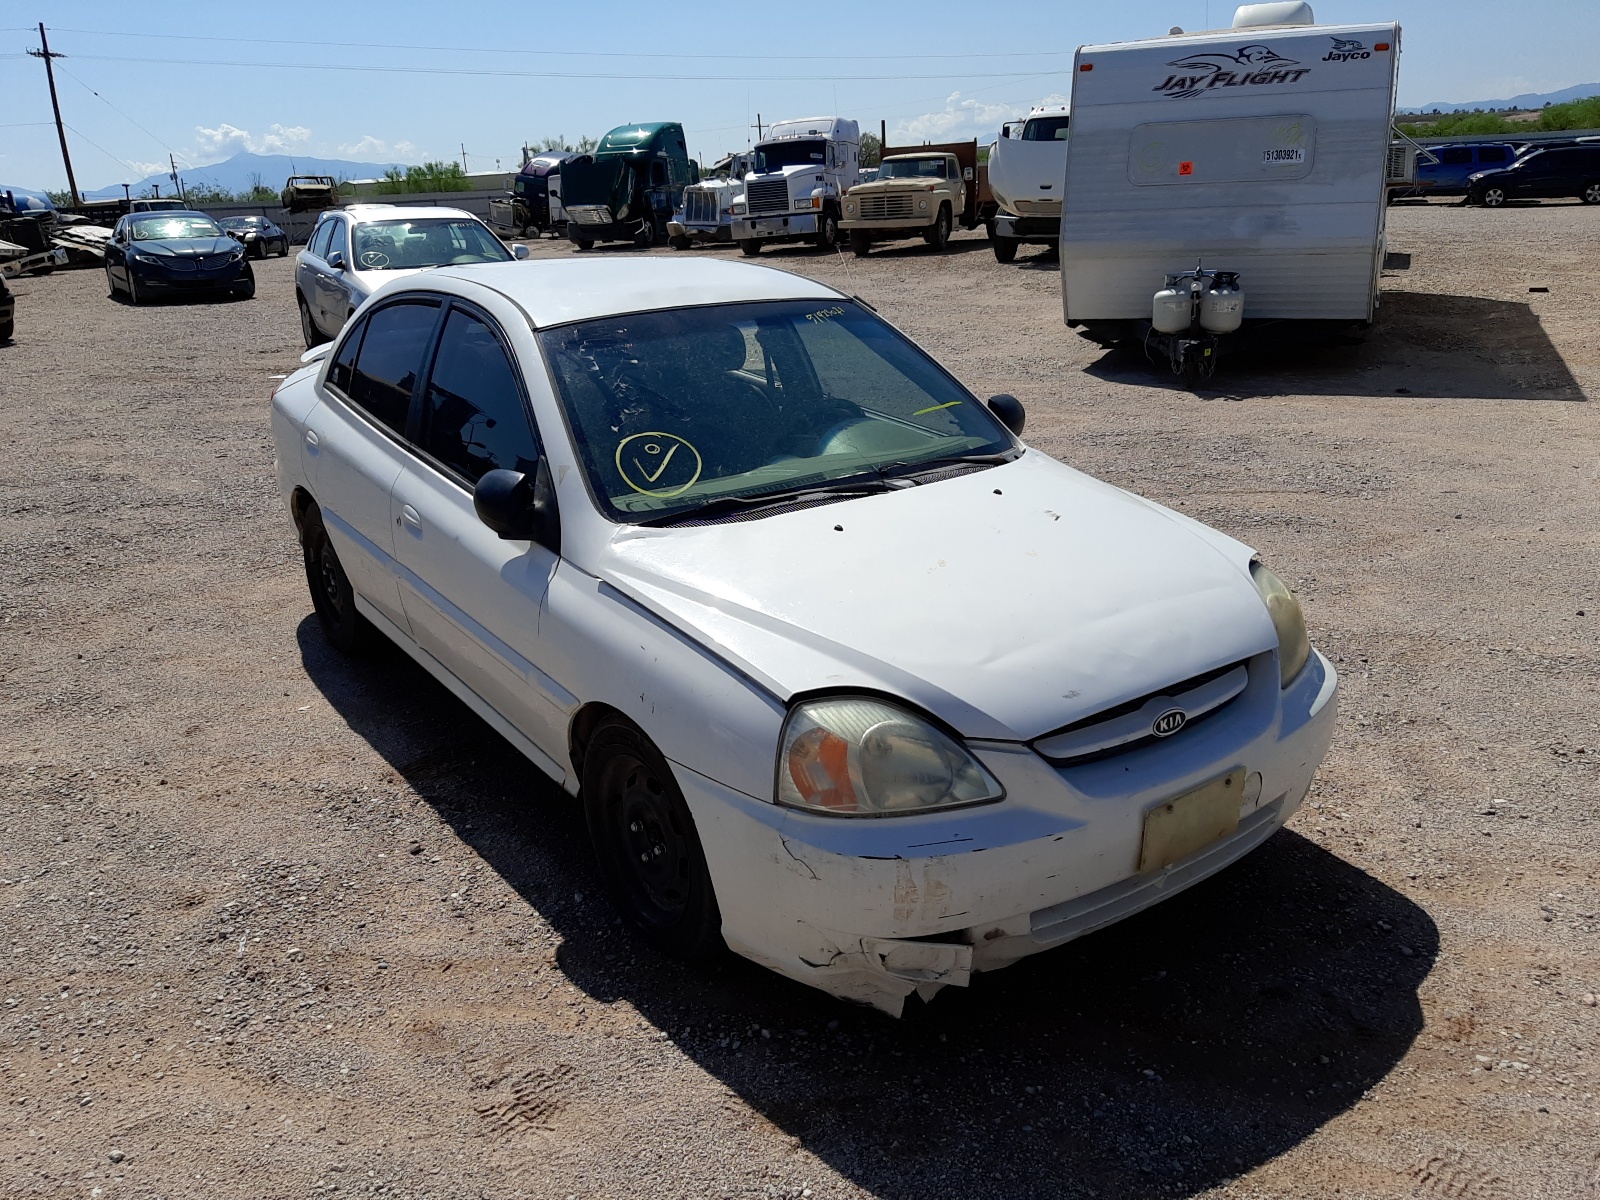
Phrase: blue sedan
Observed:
(152, 254)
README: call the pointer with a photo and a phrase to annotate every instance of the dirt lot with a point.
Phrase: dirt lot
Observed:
(277, 924)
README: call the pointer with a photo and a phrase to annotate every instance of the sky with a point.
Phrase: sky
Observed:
(412, 81)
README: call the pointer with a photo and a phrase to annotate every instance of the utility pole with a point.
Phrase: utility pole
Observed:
(758, 127)
(463, 158)
(127, 191)
(61, 130)
(177, 184)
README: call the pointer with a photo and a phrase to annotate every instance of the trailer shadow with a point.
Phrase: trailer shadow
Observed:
(1422, 344)
(1165, 1055)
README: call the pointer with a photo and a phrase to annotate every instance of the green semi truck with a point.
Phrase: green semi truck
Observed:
(627, 190)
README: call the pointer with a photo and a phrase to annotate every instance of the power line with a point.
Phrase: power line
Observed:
(153, 137)
(521, 53)
(506, 74)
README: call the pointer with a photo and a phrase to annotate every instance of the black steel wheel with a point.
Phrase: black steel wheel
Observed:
(645, 838)
(331, 594)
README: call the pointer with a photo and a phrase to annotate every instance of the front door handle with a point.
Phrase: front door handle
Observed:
(312, 440)
(410, 518)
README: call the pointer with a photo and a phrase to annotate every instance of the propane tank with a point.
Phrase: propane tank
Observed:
(1169, 308)
(1222, 304)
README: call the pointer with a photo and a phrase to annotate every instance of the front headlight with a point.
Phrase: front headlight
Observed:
(1294, 647)
(736, 208)
(853, 756)
(922, 206)
(850, 208)
(153, 259)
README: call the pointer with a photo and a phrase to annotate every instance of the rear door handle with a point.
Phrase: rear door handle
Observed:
(311, 438)
(411, 518)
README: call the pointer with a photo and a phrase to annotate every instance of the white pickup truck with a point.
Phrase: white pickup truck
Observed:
(1027, 174)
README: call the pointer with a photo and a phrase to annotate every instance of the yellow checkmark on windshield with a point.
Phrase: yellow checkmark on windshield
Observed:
(648, 477)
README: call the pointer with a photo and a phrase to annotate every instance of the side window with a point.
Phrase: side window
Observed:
(319, 239)
(343, 367)
(1492, 154)
(339, 240)
(1454, 155)
(473, 413)
(658, 174)
(390, 359)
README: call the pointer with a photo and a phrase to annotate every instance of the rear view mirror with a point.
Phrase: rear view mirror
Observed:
(1009, 411)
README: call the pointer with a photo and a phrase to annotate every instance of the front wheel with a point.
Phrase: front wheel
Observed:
(308, 328)
(1005, 249)
(827, 236)
(939, 235)
(111, 283)
(135, 296)
(245, 289)
(1591, 194)
(680, 241)
(1492, 197)
(860, 243)
(584, 243)
(331, 594)
(749, 247)
(649, 850)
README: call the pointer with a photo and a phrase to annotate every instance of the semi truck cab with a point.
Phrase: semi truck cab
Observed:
(627, 189)
(802, 170)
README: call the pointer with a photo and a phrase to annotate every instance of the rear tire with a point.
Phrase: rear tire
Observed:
(1005, 249)
(331, 594)
(860, 243)
(749, 247)
(308, 328)
(1492, 197)
(649, 850)
(7, 328)
(1591, 194)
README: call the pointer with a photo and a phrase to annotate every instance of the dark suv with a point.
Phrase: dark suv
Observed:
(1541, 174)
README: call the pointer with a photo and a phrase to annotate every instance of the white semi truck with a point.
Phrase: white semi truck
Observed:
(802, 170)
(1218, 182)
(1027, 174)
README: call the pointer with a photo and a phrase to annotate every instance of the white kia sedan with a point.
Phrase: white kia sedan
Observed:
(355, 250)
(845, 676)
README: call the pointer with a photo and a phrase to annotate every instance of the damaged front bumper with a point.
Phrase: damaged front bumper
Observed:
(871, 910)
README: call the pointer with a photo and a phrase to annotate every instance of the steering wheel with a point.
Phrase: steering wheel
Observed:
(376, 259)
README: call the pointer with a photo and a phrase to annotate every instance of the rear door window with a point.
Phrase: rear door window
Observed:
(1455, 155)
(474, 416)
(390, 359)
(1492, 154)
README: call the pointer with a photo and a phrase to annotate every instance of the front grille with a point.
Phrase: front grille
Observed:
(589, 214)
(700, 207)
(180, 264)
(768, 196)
(886, 207)
(1128, 726)
(213, 261)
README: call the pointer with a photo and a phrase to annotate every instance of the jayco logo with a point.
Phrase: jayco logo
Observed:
(1344, 50)
(1252, 66)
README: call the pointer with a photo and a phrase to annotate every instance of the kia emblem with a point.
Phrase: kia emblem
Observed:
(1169, 722)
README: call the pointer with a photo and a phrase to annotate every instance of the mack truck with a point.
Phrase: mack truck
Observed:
(707, 211)
(1028, 173)
(795, 190)
(628, 188)
(921, 190)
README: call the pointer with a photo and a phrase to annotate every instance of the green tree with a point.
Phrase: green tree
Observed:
(1576, 114)
(871, 153)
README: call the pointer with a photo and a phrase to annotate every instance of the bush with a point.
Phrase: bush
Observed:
(429, 177)
(1576, 114)
(1454, 124)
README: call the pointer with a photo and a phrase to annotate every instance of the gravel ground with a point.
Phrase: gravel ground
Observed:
(280, 924)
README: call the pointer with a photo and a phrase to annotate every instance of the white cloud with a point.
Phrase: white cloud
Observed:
(375, 149)
(963, 118)
(230, 139)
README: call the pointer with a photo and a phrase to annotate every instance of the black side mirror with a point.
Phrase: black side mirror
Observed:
(519, 507)
(1010, 412)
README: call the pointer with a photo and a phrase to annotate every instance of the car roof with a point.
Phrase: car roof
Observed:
(362, 214)
(166, 214)
(554, 292)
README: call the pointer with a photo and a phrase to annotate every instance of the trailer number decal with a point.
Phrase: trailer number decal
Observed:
(1283, 156)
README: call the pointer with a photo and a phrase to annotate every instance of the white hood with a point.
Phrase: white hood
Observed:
(1008, 602)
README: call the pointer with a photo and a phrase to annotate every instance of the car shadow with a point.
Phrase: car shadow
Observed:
(1421, 344)
(1164, 1055)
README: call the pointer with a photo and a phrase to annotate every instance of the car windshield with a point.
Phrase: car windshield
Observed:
(161, 229)
(675, 410)
(395, 245)
(1046, 129)
(914, 168)
(798, 153)
(243, 222)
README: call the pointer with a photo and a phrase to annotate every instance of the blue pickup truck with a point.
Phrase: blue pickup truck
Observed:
(1448, 176)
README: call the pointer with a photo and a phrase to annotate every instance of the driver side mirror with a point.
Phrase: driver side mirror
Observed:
(336, 260)
(519, 507)
(966, 173)
(1009, 411)
(520, 252)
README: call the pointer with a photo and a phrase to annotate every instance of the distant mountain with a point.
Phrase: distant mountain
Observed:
(238, 173)
(1527, 100)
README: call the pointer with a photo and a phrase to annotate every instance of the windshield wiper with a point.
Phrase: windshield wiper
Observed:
(919, 466)
(749, 504)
